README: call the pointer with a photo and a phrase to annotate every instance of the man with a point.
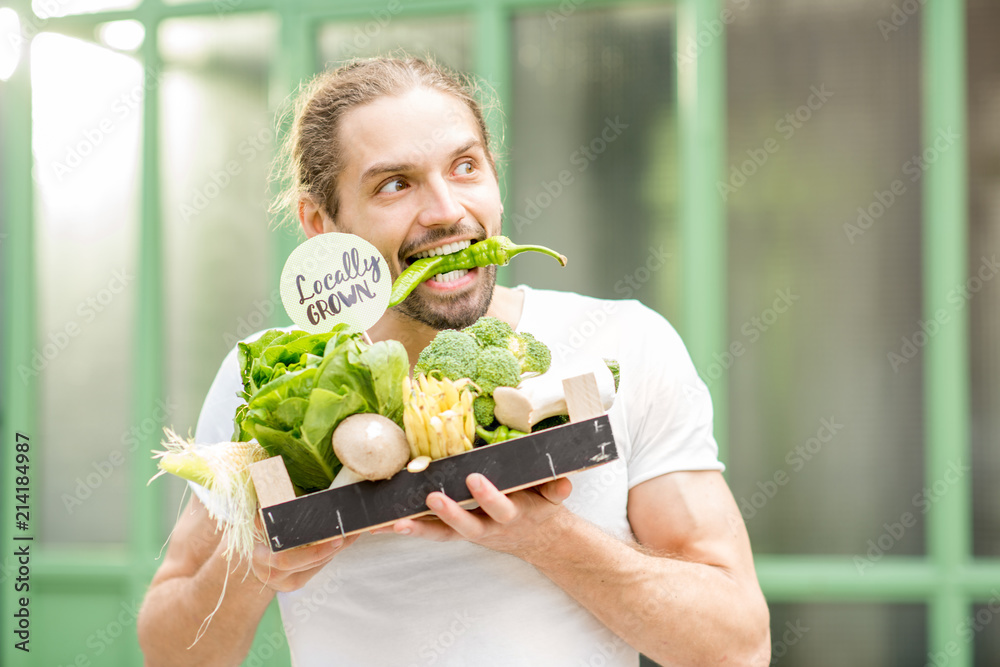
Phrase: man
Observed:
(647, 554)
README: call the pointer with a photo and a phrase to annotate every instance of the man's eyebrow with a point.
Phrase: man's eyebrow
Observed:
(466, 147)
(380, 168)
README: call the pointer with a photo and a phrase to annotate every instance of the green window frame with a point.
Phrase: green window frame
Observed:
(949, 579)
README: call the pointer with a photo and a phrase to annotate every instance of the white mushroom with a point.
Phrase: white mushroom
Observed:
(371, 447)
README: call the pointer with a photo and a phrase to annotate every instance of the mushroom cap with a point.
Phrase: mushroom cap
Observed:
(371, 445)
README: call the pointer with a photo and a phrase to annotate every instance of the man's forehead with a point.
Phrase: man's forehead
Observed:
(410, 129)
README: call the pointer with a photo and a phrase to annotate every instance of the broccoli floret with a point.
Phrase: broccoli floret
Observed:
(612, 365)
(536, 356)
(489, 352)
(496, 367)
(532, 354)
(451, 353)
(491, 332)
(549, 422)
(482, 408)
(456, 355)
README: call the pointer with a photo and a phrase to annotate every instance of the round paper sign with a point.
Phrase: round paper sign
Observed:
(335, 278)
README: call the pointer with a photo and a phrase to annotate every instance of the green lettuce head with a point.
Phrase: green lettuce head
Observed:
(297, 387)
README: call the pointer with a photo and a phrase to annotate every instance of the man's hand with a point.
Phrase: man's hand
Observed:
(689, 570)
(513, 523)
(189, 584)
(290, 570)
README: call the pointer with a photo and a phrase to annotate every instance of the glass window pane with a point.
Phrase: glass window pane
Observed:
(445, 37)
(981, 629)
(217, 144)
(10, 30)
(982, 292)
(824, 211)
(833, 635)
(86, 138)
(593, 152)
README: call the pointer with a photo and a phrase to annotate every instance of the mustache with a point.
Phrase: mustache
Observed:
(439, 234)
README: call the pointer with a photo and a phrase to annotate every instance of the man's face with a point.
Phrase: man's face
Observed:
(417, 179)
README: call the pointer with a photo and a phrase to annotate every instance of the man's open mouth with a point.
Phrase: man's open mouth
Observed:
(446, 249)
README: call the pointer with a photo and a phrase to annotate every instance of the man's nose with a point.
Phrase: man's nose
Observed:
(440, 207)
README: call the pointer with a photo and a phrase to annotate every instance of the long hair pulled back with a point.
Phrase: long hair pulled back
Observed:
(312, 157)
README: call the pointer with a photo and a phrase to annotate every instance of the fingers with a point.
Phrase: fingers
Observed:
(504, 508)
(557, 490)
(499, 507)
(495, 507)
(467, 524)
(289, 570)
(426, 528)
(272, 569)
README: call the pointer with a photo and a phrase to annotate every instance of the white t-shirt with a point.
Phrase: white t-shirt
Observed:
(398, 601)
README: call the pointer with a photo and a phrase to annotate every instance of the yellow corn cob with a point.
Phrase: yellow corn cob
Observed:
(438, 416)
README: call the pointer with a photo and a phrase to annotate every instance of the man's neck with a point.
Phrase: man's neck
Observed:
(415, 336)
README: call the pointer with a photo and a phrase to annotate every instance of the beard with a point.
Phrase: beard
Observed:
(456, 312)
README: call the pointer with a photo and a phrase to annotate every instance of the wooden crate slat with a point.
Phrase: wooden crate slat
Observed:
(510, 466)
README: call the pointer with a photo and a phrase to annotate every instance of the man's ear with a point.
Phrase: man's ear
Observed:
(314, 218)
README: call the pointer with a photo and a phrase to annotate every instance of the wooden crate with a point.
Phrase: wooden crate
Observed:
(291, 522)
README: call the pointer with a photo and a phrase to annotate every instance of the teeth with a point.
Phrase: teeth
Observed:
(444, 250)
(450, 276)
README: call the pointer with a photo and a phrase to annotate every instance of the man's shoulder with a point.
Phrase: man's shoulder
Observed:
(621, 329)
(572, 305)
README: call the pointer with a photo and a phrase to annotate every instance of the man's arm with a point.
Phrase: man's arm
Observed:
(187, 588)
(687, 594)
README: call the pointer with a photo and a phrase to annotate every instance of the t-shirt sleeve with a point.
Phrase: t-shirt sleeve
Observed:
(669, 408)
(216, 420)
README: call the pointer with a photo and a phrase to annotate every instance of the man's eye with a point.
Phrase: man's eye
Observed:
(465, 169)
(395, 185)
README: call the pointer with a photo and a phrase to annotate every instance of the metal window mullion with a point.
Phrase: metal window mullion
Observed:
(800, 578)
(149, 376)
(702, 215)
(20, 397)
(296, 64)
(491, 62)
(82, 24)
(946, 354)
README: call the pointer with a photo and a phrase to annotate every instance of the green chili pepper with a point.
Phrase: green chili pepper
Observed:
(501, 433)
(494, 250)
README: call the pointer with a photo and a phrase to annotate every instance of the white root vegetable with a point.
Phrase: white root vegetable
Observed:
(224, 470)
(543, 396)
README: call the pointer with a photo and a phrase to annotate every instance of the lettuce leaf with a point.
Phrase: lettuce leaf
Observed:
(387, 362)
(298, 387)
